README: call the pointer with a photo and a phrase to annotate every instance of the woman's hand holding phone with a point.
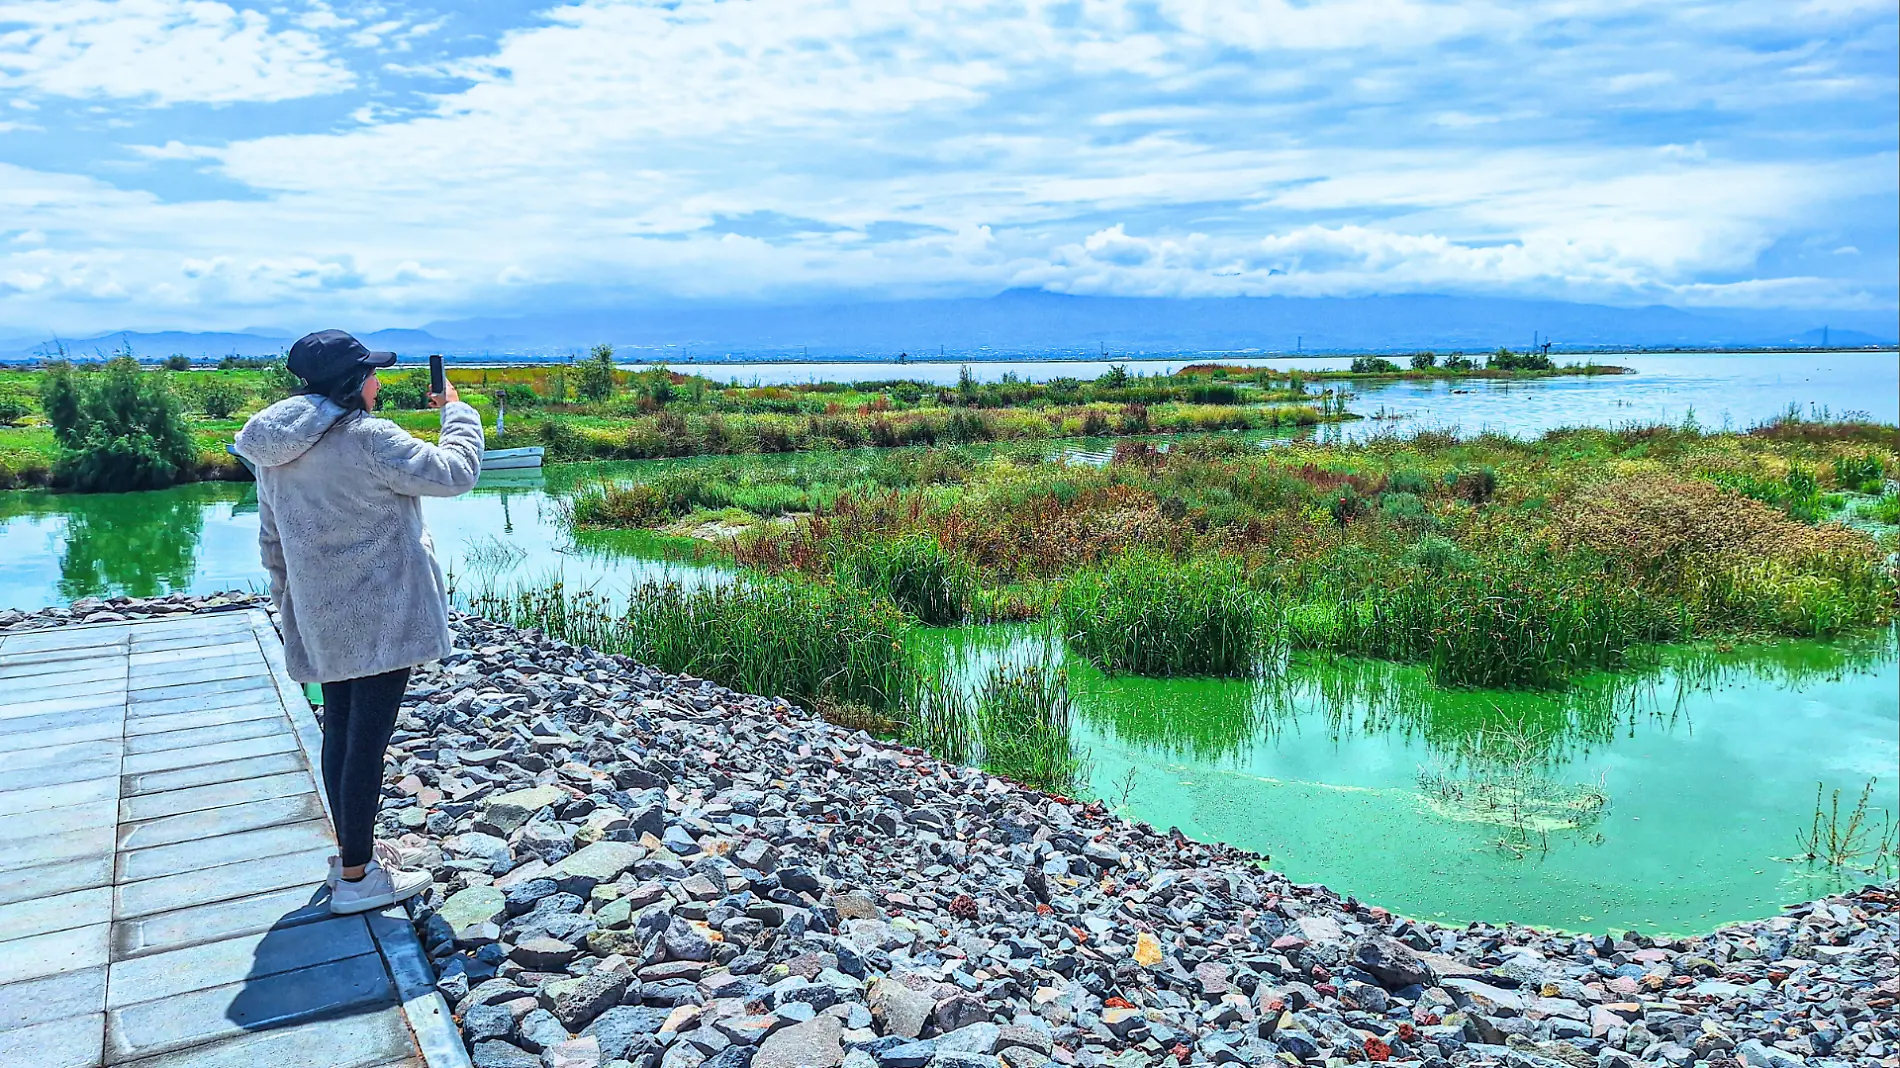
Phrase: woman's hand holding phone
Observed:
(447, 396)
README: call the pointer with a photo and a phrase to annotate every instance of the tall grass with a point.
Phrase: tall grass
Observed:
(916, 574)
(1498, 626)
(1022, 717)
(802, 641)
(1146, 614)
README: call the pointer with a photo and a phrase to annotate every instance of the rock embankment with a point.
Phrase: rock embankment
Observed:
(636, 869)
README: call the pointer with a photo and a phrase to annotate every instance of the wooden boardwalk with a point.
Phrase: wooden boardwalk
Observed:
(162, 851)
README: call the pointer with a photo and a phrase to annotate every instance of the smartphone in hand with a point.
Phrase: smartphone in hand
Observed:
(438, 378)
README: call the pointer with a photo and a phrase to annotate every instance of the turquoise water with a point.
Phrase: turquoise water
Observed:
(1343, 771)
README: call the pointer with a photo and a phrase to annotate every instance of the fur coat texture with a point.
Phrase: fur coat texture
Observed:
(352, 568)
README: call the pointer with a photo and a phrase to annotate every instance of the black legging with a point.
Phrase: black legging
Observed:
(358, 717)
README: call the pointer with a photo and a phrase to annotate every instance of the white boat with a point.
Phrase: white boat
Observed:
(512, 459)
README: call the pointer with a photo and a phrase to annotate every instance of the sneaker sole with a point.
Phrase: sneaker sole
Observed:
(365, 904)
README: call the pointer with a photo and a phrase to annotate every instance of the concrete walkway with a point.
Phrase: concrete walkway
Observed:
(162, 850)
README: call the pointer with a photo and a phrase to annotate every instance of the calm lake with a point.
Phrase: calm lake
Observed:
(1657, 801)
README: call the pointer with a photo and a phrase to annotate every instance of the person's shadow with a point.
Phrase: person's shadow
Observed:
(312, 966)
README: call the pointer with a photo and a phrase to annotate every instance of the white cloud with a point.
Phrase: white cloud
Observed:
(160, 51)
(1180, 146)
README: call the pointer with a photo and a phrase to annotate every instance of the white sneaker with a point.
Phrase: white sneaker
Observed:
(388, 854)
(378, 887)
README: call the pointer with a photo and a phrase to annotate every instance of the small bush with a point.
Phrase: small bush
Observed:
(217, 396)
(1402, 507)
(1434, 552)
(1861, 474)
(14, 407)
(1413, 482)
(1424, 361)
(1373, 365)
(1475, 484)
(121, 429)
(407, 390)
(594, 378)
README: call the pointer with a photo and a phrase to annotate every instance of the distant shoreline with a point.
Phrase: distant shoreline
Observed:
(1205, 356)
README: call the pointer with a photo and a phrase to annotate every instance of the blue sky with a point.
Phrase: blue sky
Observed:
(200, 164)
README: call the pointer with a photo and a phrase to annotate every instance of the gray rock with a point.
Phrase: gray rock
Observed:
(1392, 963)
(975, 1038)
(474, 915)
(808, 1045)
(498, 1054)
(575, 1002)
(898, 1009)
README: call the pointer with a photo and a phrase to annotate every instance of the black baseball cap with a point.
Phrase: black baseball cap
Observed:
(330, 355)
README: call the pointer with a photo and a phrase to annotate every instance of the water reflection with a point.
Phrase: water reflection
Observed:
(142, 552)
(1221, 722)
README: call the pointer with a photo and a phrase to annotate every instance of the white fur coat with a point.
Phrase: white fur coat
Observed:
(352, 568)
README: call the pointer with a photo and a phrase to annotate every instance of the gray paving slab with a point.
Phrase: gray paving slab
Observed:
(76, 993)
(201, 1016)
(239, 642)
(206, 717)
(221, 883)
(92, 728)
(195, 673)
(214, 795)
(199, 737)
(26, 753)
(307, 903)
(359, 1040)
(46, 880)
(43, 687)
(59, 912)
(165, 760)
(192, 691)
(71, 1042)
(158, 782)
(82, 703)
(29, 672)
(194, 640)
(54, 721)
(60, 820)
(95, 765)
(210, 823)
(37, 798)
(54, 848)
(97, 638)
(51, 954)
(146, 704)
(224, 849)
(235, 960)
(161, 899)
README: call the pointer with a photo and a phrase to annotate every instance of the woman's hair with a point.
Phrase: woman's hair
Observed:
(345, 392)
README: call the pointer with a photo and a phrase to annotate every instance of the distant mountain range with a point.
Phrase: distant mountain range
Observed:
(1030, 323)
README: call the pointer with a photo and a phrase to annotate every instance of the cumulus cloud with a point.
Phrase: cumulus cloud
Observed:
(1621, 151)
(160, 51)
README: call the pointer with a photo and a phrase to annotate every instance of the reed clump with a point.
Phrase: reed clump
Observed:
(805, 642)
(1022, 714)
(917, 574)
(1146, 614)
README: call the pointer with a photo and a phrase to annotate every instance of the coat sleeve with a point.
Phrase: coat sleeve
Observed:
(271, 548)
(415, 468)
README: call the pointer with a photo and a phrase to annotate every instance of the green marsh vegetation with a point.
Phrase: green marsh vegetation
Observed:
(589, 409)
(1496, 563)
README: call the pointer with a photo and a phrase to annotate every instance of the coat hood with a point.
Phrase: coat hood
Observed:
(287, 429)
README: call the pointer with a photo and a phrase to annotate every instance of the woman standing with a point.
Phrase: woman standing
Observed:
(353, 574)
